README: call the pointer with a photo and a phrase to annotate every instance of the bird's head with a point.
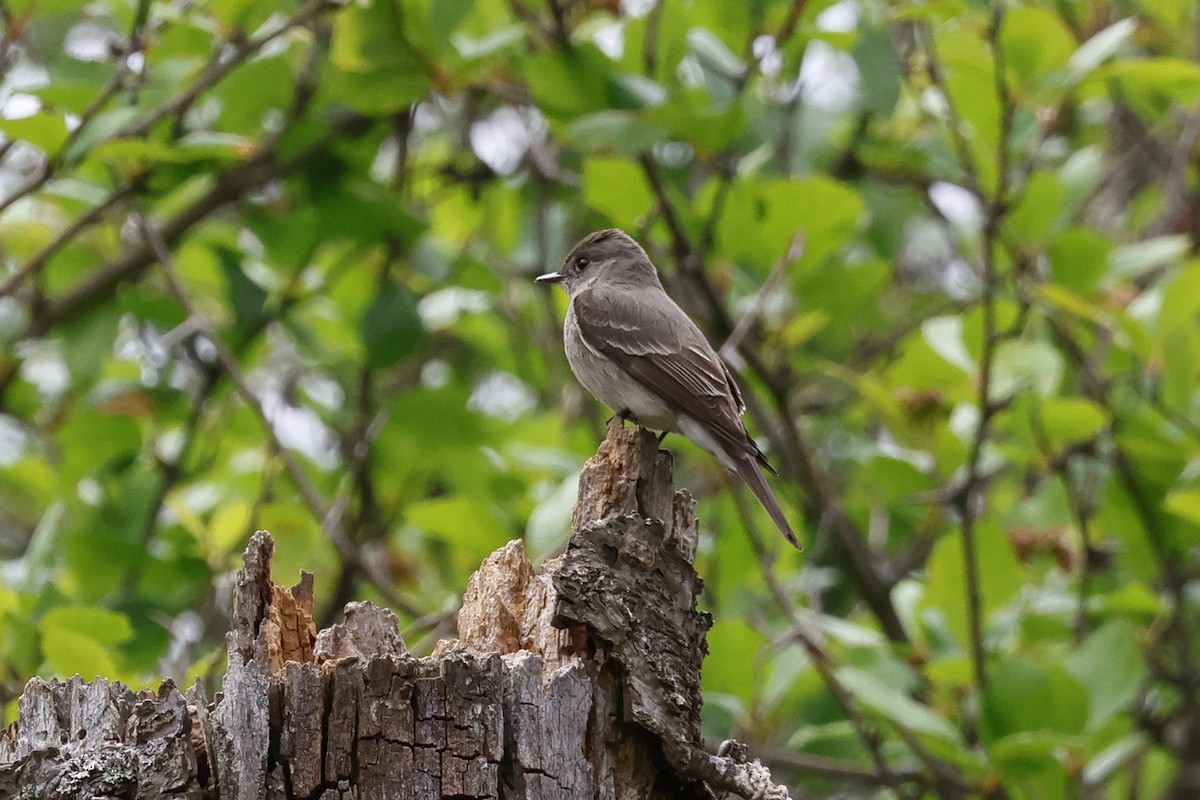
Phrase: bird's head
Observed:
(609, 257)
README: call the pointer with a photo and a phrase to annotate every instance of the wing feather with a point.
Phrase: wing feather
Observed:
(659, 346)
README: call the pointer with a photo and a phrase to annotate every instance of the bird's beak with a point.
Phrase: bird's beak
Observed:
(549, 277)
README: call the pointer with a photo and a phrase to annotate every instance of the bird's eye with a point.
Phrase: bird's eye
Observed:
(582, 262)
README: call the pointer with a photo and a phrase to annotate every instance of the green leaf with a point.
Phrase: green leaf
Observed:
(46, 132)
(391, 327)
(1113, 758)
(619, 132)
(253, 90)
(77, 639)
(229, 527)
(244, 15)
(878, 71)
(1133, 259)
(1068, 420)
(68, 653)
(1035, 42)
(73, 83)
(245, 296)
(714, 53)
(134, 153)
(1134, 601)
(493, 43)
(463, 520)
(1023, 365)
(895, 706)
(91, 441)
(88, 343)
(1111, 667)
(570, 83)
(456, 426)
(1181, 302)
(729, 667)
(549, 524)
(445, 16)
(1078, 259)
(945, 337)
(1096, 50)
(300, 544)
(761, 217)
(616, 188)
(945, 590)
(369, 37)
(1178, 339)
(1145, 80)
(1023, 696)
(692, 118)
(356, 208)
(1171, 13)
(1185, 504)
(970, 84)
(377, 68)
(920, 367)
(1181, 369)
(102, 625)
(1029, 765)
(100, 129)
(1034, 215)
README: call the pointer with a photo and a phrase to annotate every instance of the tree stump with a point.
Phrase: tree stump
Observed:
(578, 679)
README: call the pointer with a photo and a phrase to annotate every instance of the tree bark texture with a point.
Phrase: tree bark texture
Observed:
(579, 679)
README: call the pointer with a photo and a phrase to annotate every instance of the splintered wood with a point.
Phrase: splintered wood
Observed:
(99, 739)
(578, 679)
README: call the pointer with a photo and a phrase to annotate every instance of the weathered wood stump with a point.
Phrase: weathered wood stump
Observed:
(580, 679)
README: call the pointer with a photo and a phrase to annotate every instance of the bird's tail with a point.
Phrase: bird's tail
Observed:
(744, 458)
(747, 466)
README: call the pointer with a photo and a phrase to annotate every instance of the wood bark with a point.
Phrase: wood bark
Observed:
(578, 679)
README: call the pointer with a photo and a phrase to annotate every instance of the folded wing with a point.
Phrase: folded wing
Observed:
(662, 349)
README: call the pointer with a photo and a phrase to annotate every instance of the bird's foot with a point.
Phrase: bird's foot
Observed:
(625, 415)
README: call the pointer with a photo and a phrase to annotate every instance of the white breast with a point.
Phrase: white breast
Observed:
(610, 384)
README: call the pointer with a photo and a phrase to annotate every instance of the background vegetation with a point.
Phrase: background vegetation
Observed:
(267, 264)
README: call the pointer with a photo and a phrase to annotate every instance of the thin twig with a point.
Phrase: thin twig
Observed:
(813, 645)
(971, 494)
(561, 32)
(64, 237)
(954, 123)
(1175, 190)
(228, 187)
(112, 87)
(650, 40)
(790, 256)
(220, 65)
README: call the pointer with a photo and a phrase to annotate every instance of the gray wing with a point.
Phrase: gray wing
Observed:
(653, 340)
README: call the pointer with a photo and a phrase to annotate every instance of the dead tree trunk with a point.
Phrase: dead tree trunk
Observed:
(580, 679)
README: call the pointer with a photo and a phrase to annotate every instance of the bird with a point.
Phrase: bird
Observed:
(639, 353)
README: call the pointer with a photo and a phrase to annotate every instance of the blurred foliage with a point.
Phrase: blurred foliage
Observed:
(979, 379)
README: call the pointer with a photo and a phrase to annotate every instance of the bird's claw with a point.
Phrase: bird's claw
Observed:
(625, 415)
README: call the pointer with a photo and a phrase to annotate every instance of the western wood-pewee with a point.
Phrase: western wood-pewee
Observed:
(632, 347)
